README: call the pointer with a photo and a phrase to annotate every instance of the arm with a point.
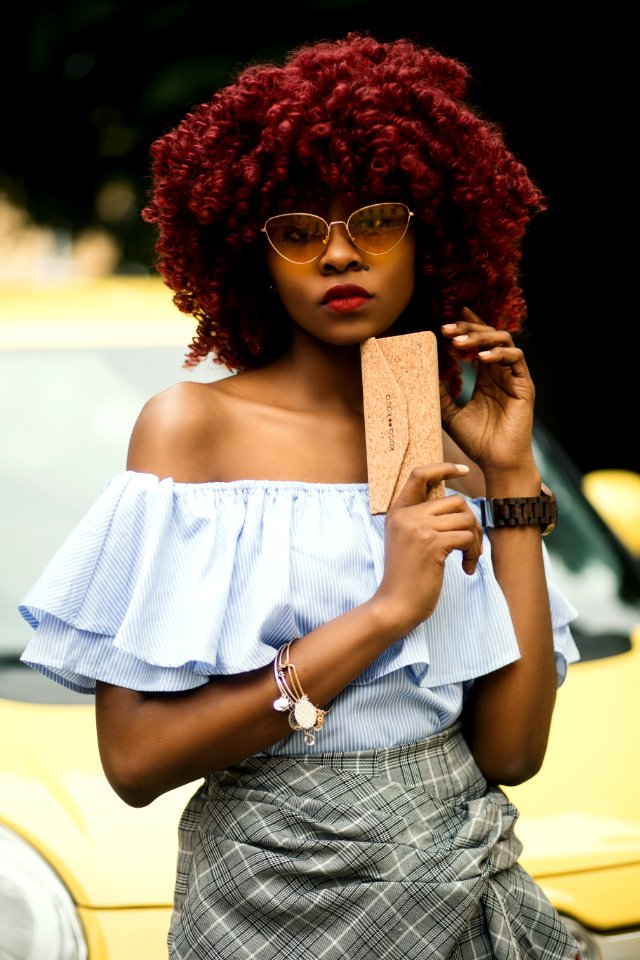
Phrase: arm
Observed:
(508, 714)
(152, 743)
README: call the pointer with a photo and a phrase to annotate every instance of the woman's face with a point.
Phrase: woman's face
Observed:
(345, 296)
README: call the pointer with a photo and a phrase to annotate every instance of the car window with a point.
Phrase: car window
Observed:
(66, 416)
(590, 566)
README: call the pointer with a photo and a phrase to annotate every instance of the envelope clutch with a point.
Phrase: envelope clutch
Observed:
(401, 411)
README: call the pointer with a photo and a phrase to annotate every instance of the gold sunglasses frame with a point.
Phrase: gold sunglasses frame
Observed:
(336, 223)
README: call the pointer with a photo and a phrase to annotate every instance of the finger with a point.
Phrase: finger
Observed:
(469, 321)
(468, 542)
(468, 313)
(468, 337)
(461, 526)
(470, 317)
(507, 356)
(472, 554)
(448, 513)
(421, 478)
(470, 559)
(509, 368)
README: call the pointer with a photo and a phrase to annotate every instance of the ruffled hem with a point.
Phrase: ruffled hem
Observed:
(164, 584)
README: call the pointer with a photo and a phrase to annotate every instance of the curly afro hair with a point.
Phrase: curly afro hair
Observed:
(355, 118)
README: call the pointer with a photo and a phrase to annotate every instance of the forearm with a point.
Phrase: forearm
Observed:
(150, 744)
(509, 711)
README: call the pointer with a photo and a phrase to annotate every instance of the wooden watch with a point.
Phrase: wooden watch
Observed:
(541, 511)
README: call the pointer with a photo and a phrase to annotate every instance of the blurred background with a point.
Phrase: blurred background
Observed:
(89, 84)
(88, 332)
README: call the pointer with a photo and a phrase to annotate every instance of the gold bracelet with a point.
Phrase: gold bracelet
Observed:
(303, 715)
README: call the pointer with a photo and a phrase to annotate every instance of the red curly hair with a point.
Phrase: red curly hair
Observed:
(355, 118)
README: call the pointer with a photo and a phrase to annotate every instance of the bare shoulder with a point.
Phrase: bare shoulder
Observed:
(178, 431)
(252, 425)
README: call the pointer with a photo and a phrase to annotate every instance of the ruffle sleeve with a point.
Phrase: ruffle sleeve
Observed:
(164, 584)
(470, 633)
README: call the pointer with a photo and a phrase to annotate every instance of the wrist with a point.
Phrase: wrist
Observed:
(523, 482)
(389, 621)
(539, 511)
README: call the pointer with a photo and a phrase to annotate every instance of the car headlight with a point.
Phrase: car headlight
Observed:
(38, 918)
(604, 946)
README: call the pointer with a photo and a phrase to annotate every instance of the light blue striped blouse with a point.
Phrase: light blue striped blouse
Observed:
(163, 584)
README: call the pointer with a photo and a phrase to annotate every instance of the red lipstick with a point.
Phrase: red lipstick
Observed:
(345, 297)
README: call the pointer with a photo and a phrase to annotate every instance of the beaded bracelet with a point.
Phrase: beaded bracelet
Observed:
(302, 713)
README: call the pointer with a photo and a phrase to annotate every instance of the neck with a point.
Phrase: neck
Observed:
(322, 375)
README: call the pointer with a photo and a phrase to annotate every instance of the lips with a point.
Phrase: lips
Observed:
(345, 297)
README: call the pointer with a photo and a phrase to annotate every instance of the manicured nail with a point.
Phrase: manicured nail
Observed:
(460, 338)
(462, 467)
(448, 327)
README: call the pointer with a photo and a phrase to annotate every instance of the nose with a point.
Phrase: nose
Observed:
(340, 253)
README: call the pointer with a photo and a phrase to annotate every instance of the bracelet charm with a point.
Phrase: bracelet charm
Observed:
(303, 715)
(282, 704)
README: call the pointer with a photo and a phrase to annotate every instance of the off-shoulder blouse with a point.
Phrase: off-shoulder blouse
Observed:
(162, 585)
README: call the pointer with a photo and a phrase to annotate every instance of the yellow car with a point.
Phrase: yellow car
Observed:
(85, 877)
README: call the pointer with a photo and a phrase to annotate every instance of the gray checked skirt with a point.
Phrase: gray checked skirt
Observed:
(396, 853)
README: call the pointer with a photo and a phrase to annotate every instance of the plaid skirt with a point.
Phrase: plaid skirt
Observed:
(397, 853)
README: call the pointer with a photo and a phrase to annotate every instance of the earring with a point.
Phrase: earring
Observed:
(365, 266)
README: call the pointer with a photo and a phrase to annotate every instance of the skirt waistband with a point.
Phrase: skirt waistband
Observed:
(433, 759)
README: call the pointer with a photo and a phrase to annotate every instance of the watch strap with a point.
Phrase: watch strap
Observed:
(540, 511)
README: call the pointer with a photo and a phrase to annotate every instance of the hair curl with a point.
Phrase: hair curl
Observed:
(355, 118)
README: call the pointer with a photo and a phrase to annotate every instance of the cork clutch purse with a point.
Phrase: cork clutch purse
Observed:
(401, 412)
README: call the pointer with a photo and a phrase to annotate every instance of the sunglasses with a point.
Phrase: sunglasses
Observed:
(301, 237)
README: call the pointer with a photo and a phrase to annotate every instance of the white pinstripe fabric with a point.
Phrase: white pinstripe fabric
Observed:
(163, 584)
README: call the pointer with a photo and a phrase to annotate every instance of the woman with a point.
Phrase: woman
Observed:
(350, 688)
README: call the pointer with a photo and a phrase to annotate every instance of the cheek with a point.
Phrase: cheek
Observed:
(404, 280)
(290, 290)
(287, 278)
(293, 295)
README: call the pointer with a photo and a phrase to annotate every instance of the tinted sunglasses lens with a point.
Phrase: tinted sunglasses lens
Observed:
(378, 228)
(297, 236)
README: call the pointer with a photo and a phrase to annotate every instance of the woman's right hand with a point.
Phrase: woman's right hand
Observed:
(419, 536)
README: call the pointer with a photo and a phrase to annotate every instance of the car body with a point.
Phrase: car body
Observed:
(85, 877)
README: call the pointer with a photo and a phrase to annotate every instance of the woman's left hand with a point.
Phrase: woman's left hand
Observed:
(495, 426)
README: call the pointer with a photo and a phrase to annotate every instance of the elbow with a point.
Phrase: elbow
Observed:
(511, 749)
(512, 766)
(130, 781)
(519, 770)
(133, 796)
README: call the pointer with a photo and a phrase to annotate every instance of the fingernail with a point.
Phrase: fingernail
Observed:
(463, 467)
(448, 327)
(460, 338)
